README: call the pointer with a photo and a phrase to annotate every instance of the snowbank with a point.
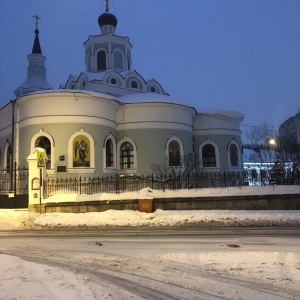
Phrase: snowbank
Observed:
(11, 219)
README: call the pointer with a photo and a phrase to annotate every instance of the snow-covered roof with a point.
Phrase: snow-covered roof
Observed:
(223, 112)
(36, 81)
(149, 97)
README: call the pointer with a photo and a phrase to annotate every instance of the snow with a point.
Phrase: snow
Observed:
(209, 192)
(150, 97)
(21, 279)
(38, 82)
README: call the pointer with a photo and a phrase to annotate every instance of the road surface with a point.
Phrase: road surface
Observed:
(170, 264)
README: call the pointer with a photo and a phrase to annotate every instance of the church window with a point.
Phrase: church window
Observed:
(134, 84)
(83, 83)
(109, 149)
(81, 151)
(118, 60)
(101, 60)
(113, 81)
(234, 158)
(126, 156)
(174, 153)
(44, 142)
(209, 156)
(72, 87)
(152, 89)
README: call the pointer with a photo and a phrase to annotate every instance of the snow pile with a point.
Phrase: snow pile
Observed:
(160, 218)
(10, 219)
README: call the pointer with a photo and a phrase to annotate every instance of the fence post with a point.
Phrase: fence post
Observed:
(116, 186)
(152, 182)
(15, 179)
(225, 179)
(80, 185)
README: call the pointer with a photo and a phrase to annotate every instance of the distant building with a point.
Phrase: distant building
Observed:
(108, 119)
(289, 132)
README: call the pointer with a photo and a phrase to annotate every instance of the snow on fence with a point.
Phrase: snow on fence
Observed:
(131, 183)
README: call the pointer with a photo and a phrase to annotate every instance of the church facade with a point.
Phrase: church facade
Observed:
(110, 120)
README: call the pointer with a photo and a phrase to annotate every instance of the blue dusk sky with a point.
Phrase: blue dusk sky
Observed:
(241, 55)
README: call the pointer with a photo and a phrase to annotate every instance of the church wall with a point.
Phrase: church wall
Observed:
(61, 133)
(151, 145)
(5, 121)
(222, 141)
(117, 46)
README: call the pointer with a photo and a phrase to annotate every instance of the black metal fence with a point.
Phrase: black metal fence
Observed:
(14, 181)
(118, 184)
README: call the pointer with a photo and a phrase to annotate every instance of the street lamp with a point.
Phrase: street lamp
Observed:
(272, 142)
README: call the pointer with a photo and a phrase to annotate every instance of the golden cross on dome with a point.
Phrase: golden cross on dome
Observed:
(36, 20)
(106, 4)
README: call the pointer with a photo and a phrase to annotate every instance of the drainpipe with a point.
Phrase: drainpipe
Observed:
(13, 184)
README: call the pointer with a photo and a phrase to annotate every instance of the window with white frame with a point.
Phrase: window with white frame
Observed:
(44, 140)
(174, 154)
(209, 155)
(233, 155)
(109, 153)
(174, 151)
(126, 156)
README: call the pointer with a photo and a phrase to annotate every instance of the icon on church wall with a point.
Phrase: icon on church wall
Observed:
(81, 154)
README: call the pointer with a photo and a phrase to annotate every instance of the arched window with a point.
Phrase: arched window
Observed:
(118, 60)
(126, 156)
(174, 153)
(233, 154)
(109, 153)
(101, 60)
(44, 142)
(209, 156)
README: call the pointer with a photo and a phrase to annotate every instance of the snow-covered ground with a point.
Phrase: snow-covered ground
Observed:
(129, 218)
(279, 269)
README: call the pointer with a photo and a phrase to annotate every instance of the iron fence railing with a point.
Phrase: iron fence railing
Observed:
(118, 184)
(14, 181)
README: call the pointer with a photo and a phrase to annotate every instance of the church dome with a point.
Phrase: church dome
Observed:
(107, 19)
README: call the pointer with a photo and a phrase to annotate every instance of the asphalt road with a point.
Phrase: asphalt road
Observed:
(169, 264)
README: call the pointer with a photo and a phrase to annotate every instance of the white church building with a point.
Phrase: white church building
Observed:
(109, 120)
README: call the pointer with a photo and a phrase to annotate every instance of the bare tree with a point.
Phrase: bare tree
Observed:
(179, 173)
(269, 150)
(260, 135)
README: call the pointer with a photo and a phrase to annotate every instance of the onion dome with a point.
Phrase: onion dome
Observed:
(107, 19)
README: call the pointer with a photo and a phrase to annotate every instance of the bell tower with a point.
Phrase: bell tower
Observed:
(36, 70)
(107, 51)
